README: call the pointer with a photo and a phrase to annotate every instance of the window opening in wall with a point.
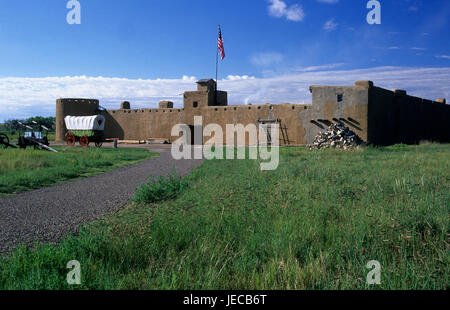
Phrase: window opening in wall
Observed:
(195, 104)
(340, 97)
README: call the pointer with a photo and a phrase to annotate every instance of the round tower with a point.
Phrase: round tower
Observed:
(72, 107)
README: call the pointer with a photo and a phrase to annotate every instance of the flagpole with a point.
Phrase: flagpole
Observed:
(217, 63)
(217, 57)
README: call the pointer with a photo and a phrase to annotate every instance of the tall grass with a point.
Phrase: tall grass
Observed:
(22, 170)
(312, 224)
(160, 189)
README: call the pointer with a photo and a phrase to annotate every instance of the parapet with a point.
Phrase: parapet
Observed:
(77, 101)
(400, 92)
(165, 105)
(359, 84)
(125, 105)
(365, 84)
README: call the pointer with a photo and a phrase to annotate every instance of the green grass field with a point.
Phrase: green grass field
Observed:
(312, 224)
(22, 170)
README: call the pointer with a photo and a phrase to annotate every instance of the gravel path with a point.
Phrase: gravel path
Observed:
(48, 214)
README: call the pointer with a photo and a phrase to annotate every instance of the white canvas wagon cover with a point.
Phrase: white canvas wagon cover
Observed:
(96, 122)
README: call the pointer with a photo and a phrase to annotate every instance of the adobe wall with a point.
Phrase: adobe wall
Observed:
(291, 133)
(380, 116)
(338, 104)
(140, 124)
(395, 117)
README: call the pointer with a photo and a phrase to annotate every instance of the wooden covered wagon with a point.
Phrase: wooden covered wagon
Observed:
(85, 129)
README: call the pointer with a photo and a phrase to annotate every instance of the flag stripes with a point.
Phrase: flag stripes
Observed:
(220, 44)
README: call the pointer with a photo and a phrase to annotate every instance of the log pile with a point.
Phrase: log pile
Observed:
(337, 136)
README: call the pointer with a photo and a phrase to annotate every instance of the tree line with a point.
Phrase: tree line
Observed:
(14, 124)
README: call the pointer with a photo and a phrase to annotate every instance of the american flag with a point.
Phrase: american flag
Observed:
(220, 44)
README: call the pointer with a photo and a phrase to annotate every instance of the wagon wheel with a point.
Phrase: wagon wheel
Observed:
(84, 141)
(4, 141)
(98, 144)
(70, 139)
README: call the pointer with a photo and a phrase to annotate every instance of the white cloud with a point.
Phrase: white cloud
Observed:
(330, 25)
(24, 97)
(239, 77)
(266, 59)
(443, 56)
(322, 67)
(279, 8)
(189, 78)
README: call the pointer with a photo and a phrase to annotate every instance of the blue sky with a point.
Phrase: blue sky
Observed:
(140, 50)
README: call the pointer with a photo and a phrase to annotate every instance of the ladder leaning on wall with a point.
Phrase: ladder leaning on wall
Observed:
(267, 126)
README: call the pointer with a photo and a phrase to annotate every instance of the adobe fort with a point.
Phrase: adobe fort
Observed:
(377, 115)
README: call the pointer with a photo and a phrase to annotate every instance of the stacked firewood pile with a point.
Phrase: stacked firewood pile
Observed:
(337, 136)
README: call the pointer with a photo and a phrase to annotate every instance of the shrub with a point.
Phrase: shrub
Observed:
(160, 189)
